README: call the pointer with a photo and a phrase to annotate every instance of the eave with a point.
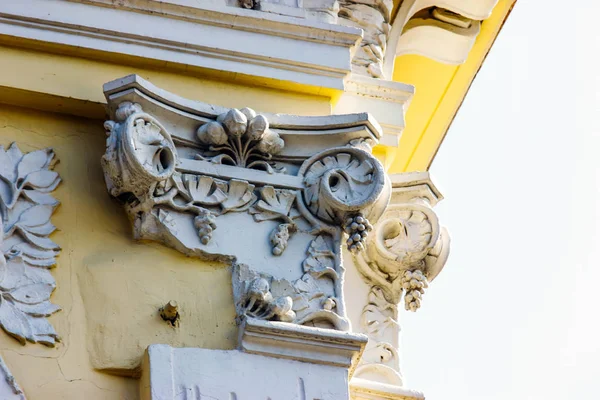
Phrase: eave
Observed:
(440, 91)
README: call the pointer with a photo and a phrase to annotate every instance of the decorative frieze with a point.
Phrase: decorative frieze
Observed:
(27, 254)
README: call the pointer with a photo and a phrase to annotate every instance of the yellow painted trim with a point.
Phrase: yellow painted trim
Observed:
(73, 85)
(440, 91)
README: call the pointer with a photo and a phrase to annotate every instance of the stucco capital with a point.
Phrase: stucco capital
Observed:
(276, 196)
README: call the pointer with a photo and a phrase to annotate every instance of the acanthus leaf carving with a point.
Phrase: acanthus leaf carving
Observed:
(345, 187)
(274, 204)
(379, 320)
(407, 249)
(26, 284)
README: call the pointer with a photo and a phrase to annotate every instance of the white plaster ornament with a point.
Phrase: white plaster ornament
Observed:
(408, 249)
(226, 185)
(27, 253)
(290, 216)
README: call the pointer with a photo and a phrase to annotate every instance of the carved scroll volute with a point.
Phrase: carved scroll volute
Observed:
(140, 153)
(407, 250)
(344, 187)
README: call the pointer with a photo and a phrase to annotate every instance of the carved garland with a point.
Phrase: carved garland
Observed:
(343, 187)
(27, 253)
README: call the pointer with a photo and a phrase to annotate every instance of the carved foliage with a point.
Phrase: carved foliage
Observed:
(26, 251)
(373, 16)
(309, 300)
(343, 187)
(379, 320)
(9, 388)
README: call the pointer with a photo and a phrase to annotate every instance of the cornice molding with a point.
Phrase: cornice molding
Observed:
(250, 43)
(386, 100)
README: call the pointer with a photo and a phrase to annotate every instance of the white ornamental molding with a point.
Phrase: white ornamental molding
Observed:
(9, 388)
(26, 206)
(275, 196)
(407, 250)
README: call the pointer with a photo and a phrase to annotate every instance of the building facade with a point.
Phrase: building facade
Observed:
(223, 199)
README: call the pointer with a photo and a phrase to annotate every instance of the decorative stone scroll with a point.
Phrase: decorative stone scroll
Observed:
(276, 196)
(27, 254)
(407, 250)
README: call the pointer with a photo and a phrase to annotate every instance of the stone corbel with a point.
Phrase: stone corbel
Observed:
(407, 250)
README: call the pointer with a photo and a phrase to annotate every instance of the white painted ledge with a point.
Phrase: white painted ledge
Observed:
(191, 373)
(224, 39)
(387, 101)
(362, 389)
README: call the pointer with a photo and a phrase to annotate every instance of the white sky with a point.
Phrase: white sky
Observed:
(515, 314)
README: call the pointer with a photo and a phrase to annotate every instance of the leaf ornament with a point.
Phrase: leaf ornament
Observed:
(27, 253)
(274, 204)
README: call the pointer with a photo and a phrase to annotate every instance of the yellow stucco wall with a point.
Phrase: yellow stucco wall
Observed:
(109, 286)
(72, 85)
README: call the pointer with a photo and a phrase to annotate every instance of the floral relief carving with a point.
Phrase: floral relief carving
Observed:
(309, 300)
(276, 204)
(27, 253)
